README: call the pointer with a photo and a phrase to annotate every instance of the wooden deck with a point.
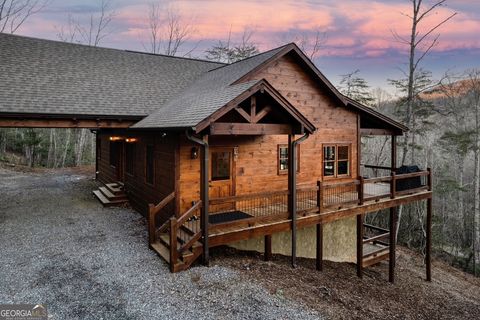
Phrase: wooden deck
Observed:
(264, 214)
(224, 233)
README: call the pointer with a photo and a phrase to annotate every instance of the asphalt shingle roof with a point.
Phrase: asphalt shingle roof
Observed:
(50, 77)
(206, 95)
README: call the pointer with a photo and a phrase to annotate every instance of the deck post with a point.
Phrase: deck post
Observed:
(319, 247)
(393, 160)
(204, 176)
(268, 247)
(392, 244)
(319, 196)
(360, 190)
(428, 258)
(292, 194)
(359, 245)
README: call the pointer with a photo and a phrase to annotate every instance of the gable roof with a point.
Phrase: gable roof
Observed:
(207, 94)
(55, 78)
(51, 77)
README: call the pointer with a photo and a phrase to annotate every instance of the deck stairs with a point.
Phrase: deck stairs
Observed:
(111, 194)
(185, 258)
(376, 248)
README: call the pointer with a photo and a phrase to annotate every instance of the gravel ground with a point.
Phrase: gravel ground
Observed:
(60, 247)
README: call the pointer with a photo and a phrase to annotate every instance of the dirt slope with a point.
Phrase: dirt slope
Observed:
(338, 293)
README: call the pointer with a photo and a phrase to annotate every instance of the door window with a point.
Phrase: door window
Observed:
(221, 165)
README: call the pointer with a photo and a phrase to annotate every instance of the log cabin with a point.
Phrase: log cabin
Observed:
(261, 154)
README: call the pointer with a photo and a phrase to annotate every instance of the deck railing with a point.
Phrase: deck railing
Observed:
(325, 196)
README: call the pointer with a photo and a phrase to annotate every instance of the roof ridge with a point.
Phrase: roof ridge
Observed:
(106, 48)
(254, 56)
(176, 57)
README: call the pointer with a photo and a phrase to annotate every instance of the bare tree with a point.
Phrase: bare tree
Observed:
(309, 41)
(93, 32)
(473, 83)
(420, 44)
(14, 13)
(228, 52)
(167, 34)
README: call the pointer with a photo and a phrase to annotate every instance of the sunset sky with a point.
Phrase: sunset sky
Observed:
(359, 32)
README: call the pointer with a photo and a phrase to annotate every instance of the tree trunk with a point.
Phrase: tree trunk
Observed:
(67, 146)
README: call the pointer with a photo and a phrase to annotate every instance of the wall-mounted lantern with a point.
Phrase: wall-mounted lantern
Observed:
(115, 138)
(131, 140)
(194, 153)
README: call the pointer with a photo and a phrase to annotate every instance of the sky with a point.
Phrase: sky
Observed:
(358, 33)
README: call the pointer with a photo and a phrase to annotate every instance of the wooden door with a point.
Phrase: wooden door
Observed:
(222, 177)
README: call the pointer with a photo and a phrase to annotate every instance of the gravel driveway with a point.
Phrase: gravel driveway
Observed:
(60, 247)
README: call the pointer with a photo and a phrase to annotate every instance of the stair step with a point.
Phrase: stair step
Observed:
(110, 196)
(161, 250)
(115, 188)
(105, 201)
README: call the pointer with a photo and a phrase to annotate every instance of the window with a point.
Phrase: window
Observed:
(130, 158)
(114, 153)
(220, 165)
(149, 164)
(336, 160)
(283, 159)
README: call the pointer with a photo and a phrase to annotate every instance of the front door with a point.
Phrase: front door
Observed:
(222, 177)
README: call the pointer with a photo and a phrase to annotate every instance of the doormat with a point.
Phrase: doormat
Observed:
(228, 217)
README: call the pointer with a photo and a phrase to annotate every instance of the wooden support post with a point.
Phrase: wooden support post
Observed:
(319, 187)
(151, 224)
(268, 247)
(204, 176)
(292, 195)
(173, 243)
(319, 247)
(360, 190)
(393, 186)
(393, 166)
(359, 245)
(428, 258)
(393, 160)
(392, 245)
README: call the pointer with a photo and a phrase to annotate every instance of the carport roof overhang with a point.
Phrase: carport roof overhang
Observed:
(32, 120)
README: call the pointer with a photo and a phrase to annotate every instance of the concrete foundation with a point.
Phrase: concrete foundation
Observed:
(339, 242)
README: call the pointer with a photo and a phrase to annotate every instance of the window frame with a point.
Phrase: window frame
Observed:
(151, 183)
(285, 171)
(337, 160)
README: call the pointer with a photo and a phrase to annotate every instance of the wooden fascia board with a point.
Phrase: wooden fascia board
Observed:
(9, 120)
(262, 85)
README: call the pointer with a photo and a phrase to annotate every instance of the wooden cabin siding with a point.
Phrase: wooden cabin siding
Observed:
(335, 124)
(106, 173)
(256, 167)
(141, 193)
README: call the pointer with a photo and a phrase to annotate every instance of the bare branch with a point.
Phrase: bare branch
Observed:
(14, 13)
(434, 28)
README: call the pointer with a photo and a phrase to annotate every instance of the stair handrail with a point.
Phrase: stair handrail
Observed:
(175, 225)
(153, 211)
(187, 215)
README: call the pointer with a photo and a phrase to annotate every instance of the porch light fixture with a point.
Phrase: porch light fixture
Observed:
(194, 153)
(131, 140)
(115, 138)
